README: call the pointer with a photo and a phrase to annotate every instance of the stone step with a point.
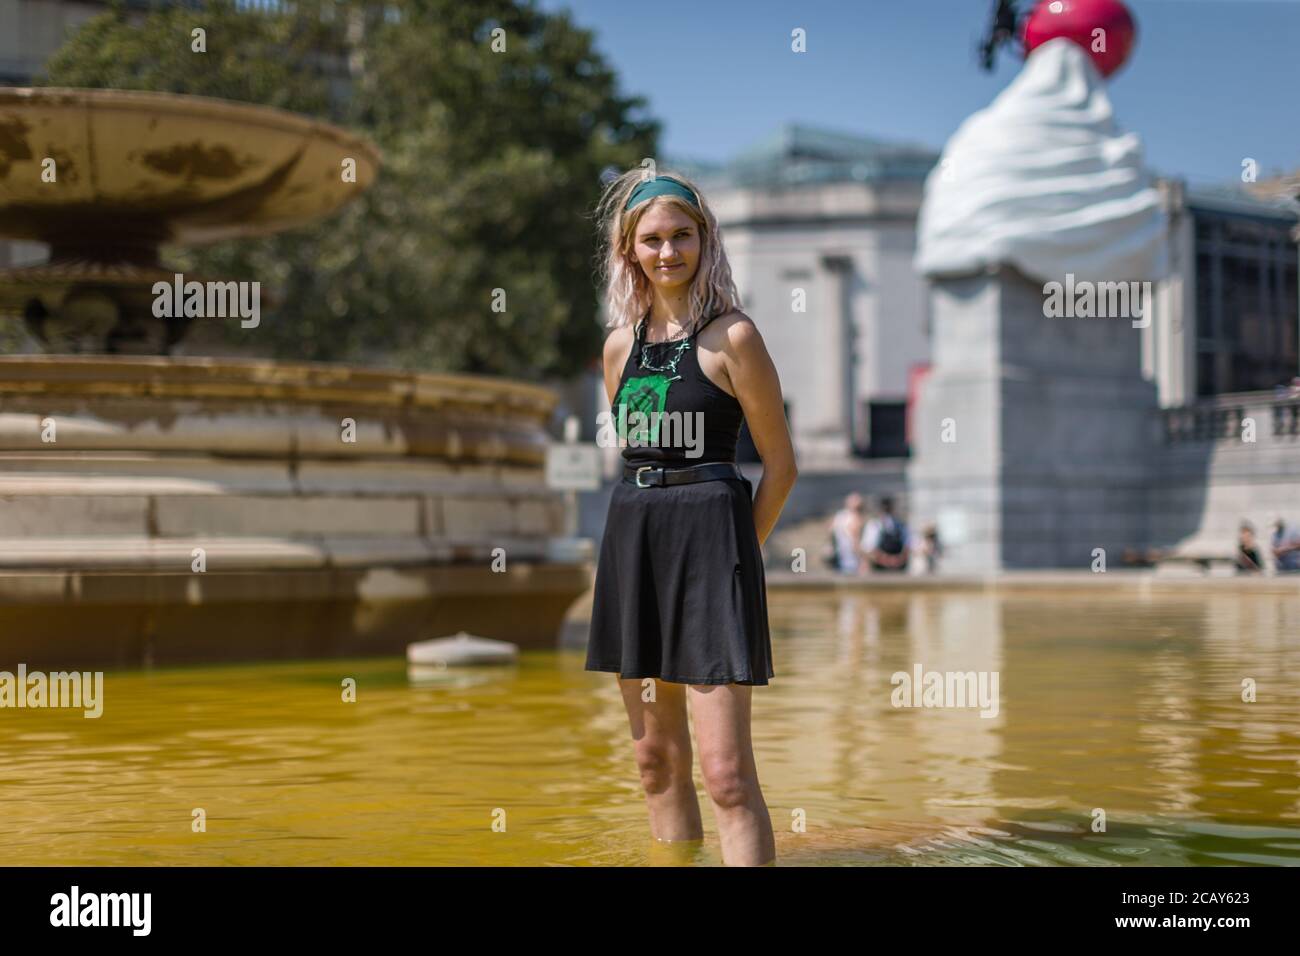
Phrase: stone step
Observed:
(251, 553)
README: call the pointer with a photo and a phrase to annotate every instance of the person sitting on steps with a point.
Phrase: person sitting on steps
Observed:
(884, 540)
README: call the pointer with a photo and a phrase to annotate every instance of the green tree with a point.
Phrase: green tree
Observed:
(492, 164)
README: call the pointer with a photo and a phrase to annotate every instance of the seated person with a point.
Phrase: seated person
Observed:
(884, 540)
(1248, 559)
(1286, 547)
(846, 528)
(931, 549)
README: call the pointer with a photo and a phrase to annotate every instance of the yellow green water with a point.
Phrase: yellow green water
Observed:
(1131, 705)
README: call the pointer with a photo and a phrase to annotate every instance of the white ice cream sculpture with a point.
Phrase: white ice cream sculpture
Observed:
(1033, 434)
(1044, 180)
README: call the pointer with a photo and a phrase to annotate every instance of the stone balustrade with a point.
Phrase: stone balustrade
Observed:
(1224, 418)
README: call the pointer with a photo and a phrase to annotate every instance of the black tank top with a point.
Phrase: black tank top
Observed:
(684, 438)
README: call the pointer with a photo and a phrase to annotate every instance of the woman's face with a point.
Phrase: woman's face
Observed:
(667, 246)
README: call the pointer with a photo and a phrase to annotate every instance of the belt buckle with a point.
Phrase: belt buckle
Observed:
(638, 476)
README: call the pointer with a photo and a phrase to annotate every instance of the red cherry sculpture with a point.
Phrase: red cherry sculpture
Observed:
(1077, 20)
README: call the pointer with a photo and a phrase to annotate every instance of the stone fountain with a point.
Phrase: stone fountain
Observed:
(164, 509)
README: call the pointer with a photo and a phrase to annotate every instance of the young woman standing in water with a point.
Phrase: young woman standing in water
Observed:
(680, 596)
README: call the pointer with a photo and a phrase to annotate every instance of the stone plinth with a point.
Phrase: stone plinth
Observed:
(1034, 435)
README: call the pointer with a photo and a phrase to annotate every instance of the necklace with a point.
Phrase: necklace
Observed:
(670, 366)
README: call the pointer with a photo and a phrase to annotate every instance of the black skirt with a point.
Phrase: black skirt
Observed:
(680, 593)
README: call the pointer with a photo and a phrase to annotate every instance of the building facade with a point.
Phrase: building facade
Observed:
(820, 229)
(1227, 319)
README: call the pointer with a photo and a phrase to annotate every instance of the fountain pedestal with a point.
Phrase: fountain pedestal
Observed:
(1034, 435)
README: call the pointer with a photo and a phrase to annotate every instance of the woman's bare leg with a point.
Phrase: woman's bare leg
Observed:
(722, 729)
(661, 739)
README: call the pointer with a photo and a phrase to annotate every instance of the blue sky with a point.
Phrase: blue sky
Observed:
(1210, 82)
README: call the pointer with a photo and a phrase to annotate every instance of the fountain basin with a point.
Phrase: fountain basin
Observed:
(195, 509)
(144, 167)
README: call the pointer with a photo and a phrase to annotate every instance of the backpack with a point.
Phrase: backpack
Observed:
(891, 538)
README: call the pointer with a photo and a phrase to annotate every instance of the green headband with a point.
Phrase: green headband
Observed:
(660, 186)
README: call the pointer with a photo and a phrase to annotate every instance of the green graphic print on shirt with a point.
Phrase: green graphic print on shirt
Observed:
(646, 395)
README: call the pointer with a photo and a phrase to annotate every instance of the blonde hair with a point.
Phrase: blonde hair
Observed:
(628, 294)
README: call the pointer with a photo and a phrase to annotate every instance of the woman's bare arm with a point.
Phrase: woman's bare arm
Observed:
(617, 346)
(758, 389)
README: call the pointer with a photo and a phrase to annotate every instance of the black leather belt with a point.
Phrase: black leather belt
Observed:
(656, 476)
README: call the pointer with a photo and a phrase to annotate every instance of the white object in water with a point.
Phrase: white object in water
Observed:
(453, 678)
(460, 650)
(1044, 179)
